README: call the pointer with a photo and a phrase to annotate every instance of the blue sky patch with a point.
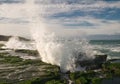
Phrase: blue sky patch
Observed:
(11, 1)
(107, 13)
(84, 23)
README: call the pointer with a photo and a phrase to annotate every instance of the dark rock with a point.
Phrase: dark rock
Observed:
(100, 59)
(4, 38)
(95, 63)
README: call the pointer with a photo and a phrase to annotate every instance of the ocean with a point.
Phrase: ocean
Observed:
(109, 47)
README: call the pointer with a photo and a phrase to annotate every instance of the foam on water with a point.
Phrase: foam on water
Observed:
(115, 49)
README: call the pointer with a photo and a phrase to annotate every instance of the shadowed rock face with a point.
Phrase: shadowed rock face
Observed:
(95, 63)
(111, 81)
(4, 38)
(100, 58)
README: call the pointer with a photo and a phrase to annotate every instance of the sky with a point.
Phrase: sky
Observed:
(74, 17)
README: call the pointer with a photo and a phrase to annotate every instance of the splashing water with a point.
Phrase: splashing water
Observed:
(63, 53)
(53, 48)
(15, 43)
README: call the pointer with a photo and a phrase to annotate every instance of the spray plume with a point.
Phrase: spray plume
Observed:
(53, 48)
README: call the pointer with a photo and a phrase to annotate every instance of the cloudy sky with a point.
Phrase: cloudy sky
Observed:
(71, 16)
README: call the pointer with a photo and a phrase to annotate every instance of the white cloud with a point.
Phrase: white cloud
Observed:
(20, 12)
(101, 26)
(50, 8)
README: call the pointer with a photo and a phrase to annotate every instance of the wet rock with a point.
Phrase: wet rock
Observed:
(95, 63)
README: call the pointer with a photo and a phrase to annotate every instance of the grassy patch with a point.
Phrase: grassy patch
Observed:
(52, 78)
(6, 58)
(1, 45)
(52, 73)
(29, 52)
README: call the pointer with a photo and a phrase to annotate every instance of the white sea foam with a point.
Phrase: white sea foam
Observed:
(115, 49)
(15, 43)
